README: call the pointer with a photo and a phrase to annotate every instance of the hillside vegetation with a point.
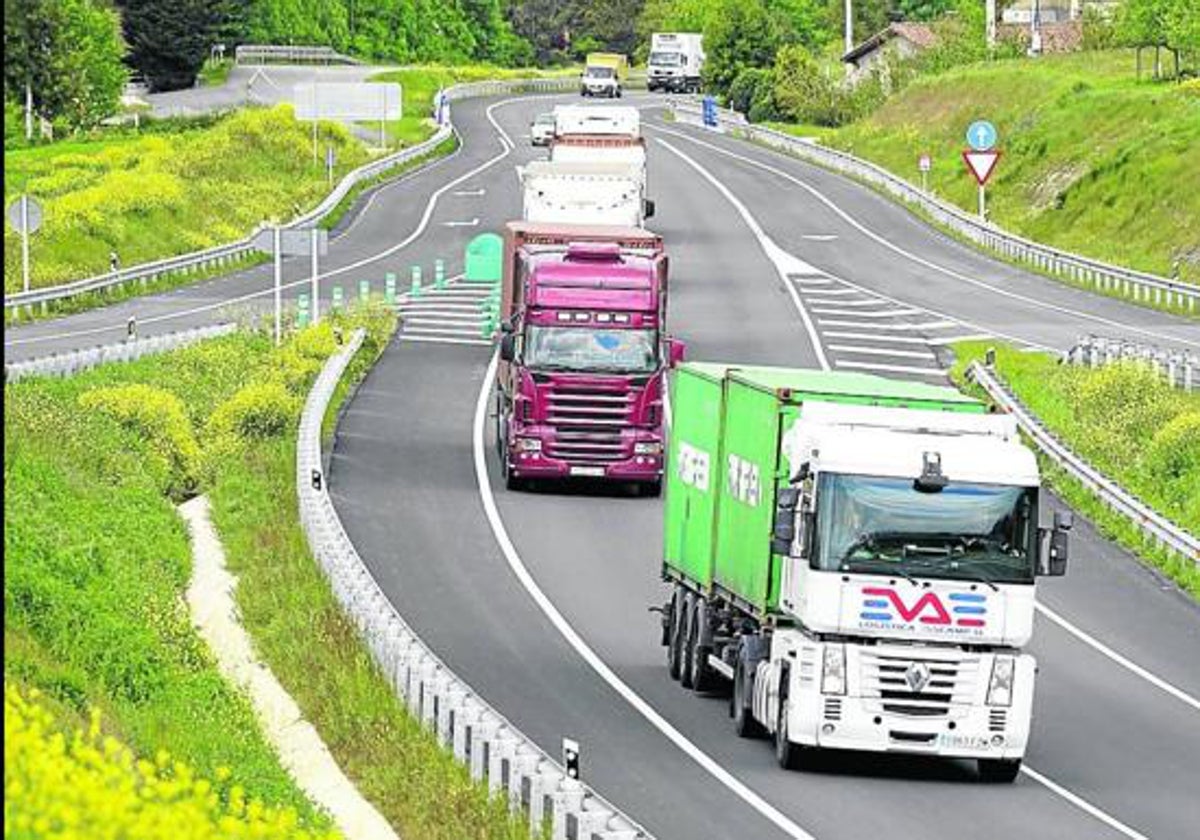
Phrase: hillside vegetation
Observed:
(1093, 160)
(174, 189)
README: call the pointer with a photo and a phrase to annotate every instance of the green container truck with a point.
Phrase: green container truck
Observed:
(857, 555)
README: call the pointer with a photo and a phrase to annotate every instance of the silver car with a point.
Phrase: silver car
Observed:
(541, 131)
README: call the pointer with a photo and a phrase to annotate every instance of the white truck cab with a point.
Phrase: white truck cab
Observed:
(899, 632)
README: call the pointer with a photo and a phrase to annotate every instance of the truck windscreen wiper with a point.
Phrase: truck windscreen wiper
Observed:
(875, 565)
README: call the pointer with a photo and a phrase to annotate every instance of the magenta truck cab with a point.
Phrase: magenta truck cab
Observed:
(583, 354)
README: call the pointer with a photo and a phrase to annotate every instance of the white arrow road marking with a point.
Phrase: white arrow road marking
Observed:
(471, 223)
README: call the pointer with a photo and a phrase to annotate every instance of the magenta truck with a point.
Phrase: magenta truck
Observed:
(583, 354)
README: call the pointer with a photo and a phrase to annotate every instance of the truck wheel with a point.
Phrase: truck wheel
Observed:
(789, 754)
(686, 674)
(999, 770)
(702, 675)
(675, 645)
(744, 723)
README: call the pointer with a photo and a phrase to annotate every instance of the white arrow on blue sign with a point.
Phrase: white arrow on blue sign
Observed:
(981, 135)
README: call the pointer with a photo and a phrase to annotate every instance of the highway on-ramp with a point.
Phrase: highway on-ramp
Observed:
(539, 600)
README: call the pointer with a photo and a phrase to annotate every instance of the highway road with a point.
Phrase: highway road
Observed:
(539, 600)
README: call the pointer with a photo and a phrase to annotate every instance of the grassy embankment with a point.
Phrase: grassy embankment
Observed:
(1093, 161)
(172, 189)
(418, 86)
(1127, 423)
(98, 561)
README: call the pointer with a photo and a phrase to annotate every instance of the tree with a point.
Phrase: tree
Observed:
(741, 35)
(170, 39)
(69, 53)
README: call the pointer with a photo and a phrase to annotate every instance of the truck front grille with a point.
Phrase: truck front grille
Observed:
(950, 679)
(588, 421)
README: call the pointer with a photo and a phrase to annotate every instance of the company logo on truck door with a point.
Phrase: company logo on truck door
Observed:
(884, 607)
(693, 466)
(742, 480)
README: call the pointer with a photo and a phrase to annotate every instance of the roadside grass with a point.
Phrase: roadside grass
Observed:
(167, 191)
(215, 72)
(418, 85)
(97, 559)
(317, 654)
(1094, 161)
(1125, 421)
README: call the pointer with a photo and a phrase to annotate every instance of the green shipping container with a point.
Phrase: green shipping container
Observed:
(724, 465)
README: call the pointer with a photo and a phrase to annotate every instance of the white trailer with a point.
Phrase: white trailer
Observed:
(584, 193)
(676, 61)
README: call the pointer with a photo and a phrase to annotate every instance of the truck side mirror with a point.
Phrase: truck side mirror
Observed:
(676, 350)
(1056, 565)
(783, 529)
(647, 208)
(508, 347)
(1064, 520)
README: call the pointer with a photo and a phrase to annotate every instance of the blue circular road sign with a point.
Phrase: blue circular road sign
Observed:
(981, 135)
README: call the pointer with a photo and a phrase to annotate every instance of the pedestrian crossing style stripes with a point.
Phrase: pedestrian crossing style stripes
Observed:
(452, 315)
(862, 331)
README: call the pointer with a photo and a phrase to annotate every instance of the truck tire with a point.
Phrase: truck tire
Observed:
(703, 678)
(690, 634)
(999, 770)
(789, 754)
(740, 705)
(676, 630)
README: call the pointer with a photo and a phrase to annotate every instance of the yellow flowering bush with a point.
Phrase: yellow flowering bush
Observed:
(83, 784)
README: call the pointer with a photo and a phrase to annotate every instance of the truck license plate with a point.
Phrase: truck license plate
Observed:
(948, 741)
(588, 472)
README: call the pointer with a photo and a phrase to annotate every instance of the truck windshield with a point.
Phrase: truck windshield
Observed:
(600, 72)
(666, 59)
(981, 532)
(591, 349)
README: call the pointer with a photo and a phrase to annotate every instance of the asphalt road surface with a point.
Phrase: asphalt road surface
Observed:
(538, 600)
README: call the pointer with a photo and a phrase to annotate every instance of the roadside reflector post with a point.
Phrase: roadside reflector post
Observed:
(389, 287)
(570, 757)
(364, 291)
(302, 311)
(416, 281)
(439, 274)
(337, 299)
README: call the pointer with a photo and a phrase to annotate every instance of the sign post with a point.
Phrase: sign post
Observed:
(316, 282)
(25, 214)
(277, 242)
(278, 287)
(330, 160)
(981, 157)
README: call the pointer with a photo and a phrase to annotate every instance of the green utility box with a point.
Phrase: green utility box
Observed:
(725, 463)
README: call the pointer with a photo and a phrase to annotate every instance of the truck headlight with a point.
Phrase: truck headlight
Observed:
(833, 669)
(1000, 686)
(525, 444)
(648, 448)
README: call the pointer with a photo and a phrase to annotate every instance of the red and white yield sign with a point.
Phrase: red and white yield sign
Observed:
(981, 164)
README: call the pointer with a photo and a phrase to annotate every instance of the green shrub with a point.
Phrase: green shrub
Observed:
(158, 416)
(257, 411)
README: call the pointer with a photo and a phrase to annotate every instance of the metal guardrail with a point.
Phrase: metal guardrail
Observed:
(1162, 530)
(77, 361)
(1180, 368)
(1138, 286)
(490, 746)
(222, 255)
(289, 54)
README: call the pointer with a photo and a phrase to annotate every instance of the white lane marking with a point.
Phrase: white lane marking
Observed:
(1083, 804)
(931, 325)
(432, 339)
(811, 281)
(949, 272)
(882, 313)
(471, 223)
(923, 371)
(1132, 667)
(507, 147)
(897, 339)
(952, 339)
(819, 237)
(572, 637)
(388, 187)
(813, 293)
(785, 264)
(855, 303)
(470, 193)
(880, 351)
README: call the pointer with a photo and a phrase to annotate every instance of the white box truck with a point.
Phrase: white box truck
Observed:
(676, 59)
(586, 193)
